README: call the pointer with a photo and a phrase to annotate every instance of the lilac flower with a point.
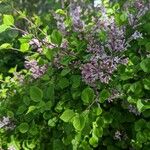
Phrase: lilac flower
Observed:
(64, 44)
(35, 42)
(133, 110)
(114, 95)
(139, 4)
(141, 7)
(98, 70)
(137, 35)
(6, 123)
(93, 46)
(116, 39)
(90, 73)
(118, 135)
(60, 21)
(76, 17)
(36, 70)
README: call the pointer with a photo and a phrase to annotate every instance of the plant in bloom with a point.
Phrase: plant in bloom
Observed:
(85, 61)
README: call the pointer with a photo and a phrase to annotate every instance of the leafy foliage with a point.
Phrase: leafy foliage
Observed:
(75, 76)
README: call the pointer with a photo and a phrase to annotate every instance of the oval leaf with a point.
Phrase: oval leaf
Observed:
(36, 94)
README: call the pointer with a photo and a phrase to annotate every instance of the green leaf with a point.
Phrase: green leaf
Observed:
(102, 35)
(78, 122)
(50, 92)
(8, 20)
(12, 70)
(24, 47)
(76, 81)
(3, 27)
(104, 95)
(63, 83)
(136, 87)
(26, 100)
(36, 94)
(67, 115)
(23, 127)
(56, 37)
(30, 109)
(145, 65)
(65, 71)
(5, 46)
(31, 144)
(147, 46)
(26, 38)
(107, 118)
(52, 122)
(146, 83)
(60, 11)
(93, 141)
(140, 124)
(98, 131)
(87, 95)
(139, 105)
(97, 111)
(124, 16)
(21, 110)
(48, 53)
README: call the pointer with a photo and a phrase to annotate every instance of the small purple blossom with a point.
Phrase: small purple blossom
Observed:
(60, 23)
(36, 44)
(118, 135)
(114, 95)
(139, 4)
(36, 70)
(116, 39)
(64, 44)
(76, 17)
(6, 123)
(133, 109)
(90, 73)
(98, 70)
(141, 9)
(137, 35)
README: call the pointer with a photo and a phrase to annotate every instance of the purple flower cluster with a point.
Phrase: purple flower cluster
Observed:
(75, 13)
(133, 109)
(60, 23)
(101, 66)
(100, 69)
(120, 135)
(141, 9)
(116, 38)
(137, 35)
(6, 123)
(114, 95)
(36, 44)
(36, 70)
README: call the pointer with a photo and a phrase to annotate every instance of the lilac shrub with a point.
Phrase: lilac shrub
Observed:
(84, 82)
